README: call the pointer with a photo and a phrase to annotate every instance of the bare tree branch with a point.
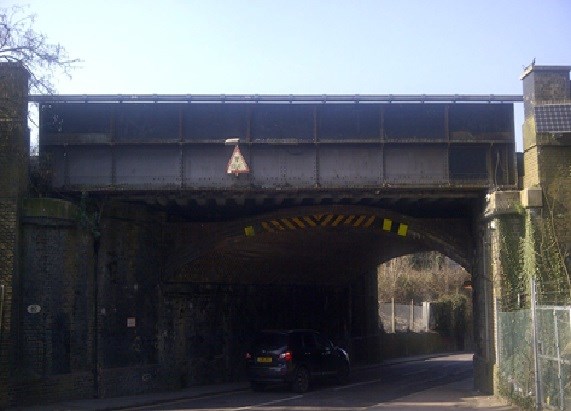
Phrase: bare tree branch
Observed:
(20, 43)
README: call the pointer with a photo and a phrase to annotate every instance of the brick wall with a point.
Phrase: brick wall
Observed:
(53, 389)
(14, 149)
(65, 351)
(129, 268)
(205, 329)
(545, 84)
(54, 346)
(8, 242)
(547, 157)
(554, 163)
(138, 379)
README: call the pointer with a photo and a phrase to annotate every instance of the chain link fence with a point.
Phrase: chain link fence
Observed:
(534, 350)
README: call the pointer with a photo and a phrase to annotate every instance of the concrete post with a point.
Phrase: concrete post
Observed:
(14, 159)
(393, 316)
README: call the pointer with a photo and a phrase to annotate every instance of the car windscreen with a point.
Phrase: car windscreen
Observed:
(270, 340)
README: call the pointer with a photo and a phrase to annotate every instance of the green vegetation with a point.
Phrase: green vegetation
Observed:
(426, 276)
(531, 247)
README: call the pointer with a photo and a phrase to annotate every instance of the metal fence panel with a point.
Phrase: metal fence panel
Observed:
(554, 355)
(407, 317)
(515, 352)
(517, 370)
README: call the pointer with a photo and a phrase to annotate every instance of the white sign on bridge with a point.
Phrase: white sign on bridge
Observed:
(237, 163)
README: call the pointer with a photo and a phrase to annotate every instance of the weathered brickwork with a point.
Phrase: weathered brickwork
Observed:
(555, 166)
(547, 157)
(66, 351)
(546, 84)
(8, 230)
(53, 389)
(205, 329)
(129, 267)
(14, 143)
(531, 176)
(54, 341)
(137, 379)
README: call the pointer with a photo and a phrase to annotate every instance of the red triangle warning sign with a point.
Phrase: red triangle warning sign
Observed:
(237, 163)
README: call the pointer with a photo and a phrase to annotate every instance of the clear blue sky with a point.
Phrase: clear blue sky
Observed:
(297, 47)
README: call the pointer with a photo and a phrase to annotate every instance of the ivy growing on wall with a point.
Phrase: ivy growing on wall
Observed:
(531, 246)
(513, 279)
(88, 215)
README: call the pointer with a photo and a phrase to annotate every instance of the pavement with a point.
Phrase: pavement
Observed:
(457, 395)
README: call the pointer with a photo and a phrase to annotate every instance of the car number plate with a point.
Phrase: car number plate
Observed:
(264, 359)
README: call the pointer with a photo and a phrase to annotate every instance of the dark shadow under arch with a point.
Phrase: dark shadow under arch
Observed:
(224, 252)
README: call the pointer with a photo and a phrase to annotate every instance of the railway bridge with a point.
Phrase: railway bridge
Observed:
(160, 231)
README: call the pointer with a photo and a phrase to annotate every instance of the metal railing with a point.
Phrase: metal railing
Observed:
(276, 98)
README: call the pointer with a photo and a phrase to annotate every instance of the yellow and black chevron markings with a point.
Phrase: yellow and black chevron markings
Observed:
(328, 220)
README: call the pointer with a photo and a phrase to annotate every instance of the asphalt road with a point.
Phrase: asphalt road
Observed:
(436, 383)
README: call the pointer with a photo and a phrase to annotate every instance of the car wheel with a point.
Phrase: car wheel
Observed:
(300, 382)
(343, 374)
(257, 386)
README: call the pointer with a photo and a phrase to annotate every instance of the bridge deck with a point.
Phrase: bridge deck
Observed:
(304, 142)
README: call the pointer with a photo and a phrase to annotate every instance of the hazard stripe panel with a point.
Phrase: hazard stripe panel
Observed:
(328, 220)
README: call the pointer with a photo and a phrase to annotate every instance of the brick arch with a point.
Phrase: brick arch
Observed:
(452, 238)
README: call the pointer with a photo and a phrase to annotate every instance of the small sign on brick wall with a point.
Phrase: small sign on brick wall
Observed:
(34, 309)
(131, 322)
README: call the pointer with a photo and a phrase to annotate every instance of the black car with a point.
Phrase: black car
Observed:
(295, 357)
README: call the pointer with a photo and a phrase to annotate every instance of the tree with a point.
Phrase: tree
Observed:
(20, 43)
(424, 276)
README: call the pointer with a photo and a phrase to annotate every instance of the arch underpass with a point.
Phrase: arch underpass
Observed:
(156, 232)
(167, 259)
(319, 244)
(301, 267)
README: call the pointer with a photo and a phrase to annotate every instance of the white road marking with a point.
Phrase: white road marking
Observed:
(263, 404)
